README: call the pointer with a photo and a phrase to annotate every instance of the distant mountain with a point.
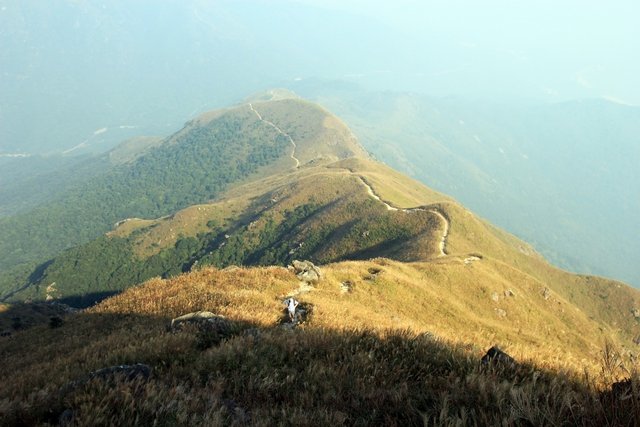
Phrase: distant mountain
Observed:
(560, 176)
(31, 181)
(82, 76)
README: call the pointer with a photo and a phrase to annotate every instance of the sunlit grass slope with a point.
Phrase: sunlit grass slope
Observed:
(324, 212)
(402, 347)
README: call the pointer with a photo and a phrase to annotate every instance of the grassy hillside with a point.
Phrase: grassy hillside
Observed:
(341, 211)
(547, 173)
(212, 152)
(397, 349)
(415, 289)
(321, 213)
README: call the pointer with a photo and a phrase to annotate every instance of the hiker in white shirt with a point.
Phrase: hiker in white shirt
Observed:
(292, 309)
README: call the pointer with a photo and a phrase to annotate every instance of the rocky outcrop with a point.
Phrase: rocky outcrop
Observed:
(203, 320)
(495, 356)
(306, 271)
(500, 312)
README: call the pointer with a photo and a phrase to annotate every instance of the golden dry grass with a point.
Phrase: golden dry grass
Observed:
(360, 358)
(507, 261)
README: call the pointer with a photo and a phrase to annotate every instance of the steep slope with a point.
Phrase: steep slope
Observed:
(34, 180)
(323, 210)
(214, 151)
(354, 209)
(545, 172)
(352, 359)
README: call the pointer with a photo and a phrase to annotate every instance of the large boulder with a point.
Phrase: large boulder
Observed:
(306, 271)
(203, 320)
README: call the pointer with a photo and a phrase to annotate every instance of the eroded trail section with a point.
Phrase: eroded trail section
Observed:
(280, 131)
(445, 233)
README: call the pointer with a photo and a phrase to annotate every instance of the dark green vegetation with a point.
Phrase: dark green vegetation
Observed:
(344, 224)
(190, 167)
(32, 181)
(150, 178)
(28, 182)
(562, 177)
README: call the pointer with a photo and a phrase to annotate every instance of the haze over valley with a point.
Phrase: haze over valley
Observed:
(312, 212)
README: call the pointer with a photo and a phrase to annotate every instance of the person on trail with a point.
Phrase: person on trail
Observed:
(292, 309)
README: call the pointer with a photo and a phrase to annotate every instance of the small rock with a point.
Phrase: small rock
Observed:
(124, 372)
(111, 374)
(429, 336)
(495, 355)
(66, 418)
(546, 293)
(253, 333)
(511, 293)
(235, 411)
(203, 320)
(500, 312)
(494, 296)
(636, 312)
(345, 287)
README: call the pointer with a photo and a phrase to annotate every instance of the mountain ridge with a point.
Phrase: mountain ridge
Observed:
(322, 208)
(141, 186)
(412, 288)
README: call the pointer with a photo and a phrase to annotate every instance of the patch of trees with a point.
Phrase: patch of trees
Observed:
(192, 168)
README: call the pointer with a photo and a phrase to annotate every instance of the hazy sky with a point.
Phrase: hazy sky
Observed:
(76, 67)
(565, 49)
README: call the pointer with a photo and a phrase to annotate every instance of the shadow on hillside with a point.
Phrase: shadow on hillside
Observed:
(319, 375)
(87, 300)
(22, 316)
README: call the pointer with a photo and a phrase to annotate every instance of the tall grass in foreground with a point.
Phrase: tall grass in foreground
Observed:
(309, 376)
(316, 377)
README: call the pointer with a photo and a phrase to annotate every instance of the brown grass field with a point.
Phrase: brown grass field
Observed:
(391, 351)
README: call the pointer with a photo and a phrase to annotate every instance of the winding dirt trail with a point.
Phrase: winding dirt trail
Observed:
(283, 133)
(445, 233)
